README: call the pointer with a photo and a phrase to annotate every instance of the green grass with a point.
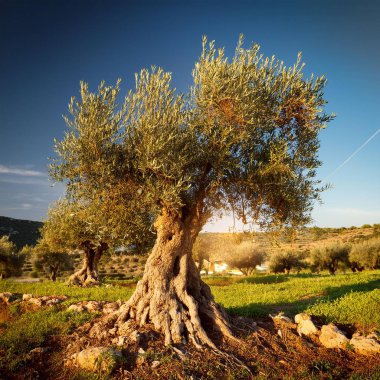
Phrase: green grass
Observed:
(31, 329)
(254, 296)
(358, 308)
(261, 295)
(102, 293)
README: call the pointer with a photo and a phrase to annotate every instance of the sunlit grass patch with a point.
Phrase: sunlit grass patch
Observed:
(31, 330)
(361, 309)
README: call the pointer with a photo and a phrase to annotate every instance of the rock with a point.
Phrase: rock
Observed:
(301, 317)
(97, 359)
(78, 308)
(369, 345)
(279, 333)
(134, 337)
(125, 328)
(112, 331)
(332, 337)
(306, 327)
(141, 351)
(38, 350)
(110, 307)
(36, 301)
(121, 341)
(281, 318)
(93, 306)
(10, 297)
(155, 364)
(27, 297)
(54, 301)
(96, 331)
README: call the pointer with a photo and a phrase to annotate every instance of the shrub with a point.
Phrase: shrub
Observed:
(330, 257)
(366, 253)
(285, 261)
(10, 261)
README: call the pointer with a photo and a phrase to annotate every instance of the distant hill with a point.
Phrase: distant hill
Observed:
(20, 232)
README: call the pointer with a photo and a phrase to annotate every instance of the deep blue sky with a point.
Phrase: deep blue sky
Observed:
(47, 47)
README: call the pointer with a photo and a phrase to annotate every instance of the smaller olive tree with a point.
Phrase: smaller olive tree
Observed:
(366, 254)
(285, 261)
(10, 260)
(245, 256)
(51, 262)
(330, 257)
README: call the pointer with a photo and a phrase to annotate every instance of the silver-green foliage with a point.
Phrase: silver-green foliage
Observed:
(245, 137)
(366, 253)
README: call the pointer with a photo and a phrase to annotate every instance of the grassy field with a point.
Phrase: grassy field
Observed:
(345, 298)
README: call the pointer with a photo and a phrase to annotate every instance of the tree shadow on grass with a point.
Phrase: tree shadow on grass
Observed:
(276, 278)
(330, 293)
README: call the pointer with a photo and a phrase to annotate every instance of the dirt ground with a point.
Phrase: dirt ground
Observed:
(267, 350)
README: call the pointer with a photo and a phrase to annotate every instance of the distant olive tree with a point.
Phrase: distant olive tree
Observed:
(11, 261)
(244, 256)
(330, 257)
(285, 261)
(51, 262)
(366, 254)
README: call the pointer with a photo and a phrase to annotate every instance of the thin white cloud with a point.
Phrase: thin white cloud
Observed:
(21, 172)
(27, 181)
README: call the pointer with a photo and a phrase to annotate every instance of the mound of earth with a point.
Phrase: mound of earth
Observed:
(269, 348)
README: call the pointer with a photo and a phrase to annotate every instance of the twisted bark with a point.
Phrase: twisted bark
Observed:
(88, 274)
(171, 293)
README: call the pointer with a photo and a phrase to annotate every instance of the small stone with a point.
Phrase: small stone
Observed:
(110, 307)
(332, 337)
(96, 331)
(36, 301)
(93, 306)
(134, 337)
(155, 364)
(112, 331)
(306, 327)
(301, 317)
(27, 297)
(365, 345)
(141, 351)
(281, 318)
(97, 359)
(125, 328)
(279, 333)
(38, 350)
(121, 341)
(78, 308)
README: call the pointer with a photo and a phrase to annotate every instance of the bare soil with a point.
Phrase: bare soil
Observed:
(267, 350)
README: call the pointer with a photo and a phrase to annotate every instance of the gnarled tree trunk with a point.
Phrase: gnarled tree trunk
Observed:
(171, 293)
(88, 274)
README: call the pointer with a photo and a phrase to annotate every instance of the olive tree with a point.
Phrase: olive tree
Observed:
(285, 261)
(244, 256)
(366, 254)
(330, 257)
(245, 137)
(88, 227)
(51, 262)
(11, 261)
